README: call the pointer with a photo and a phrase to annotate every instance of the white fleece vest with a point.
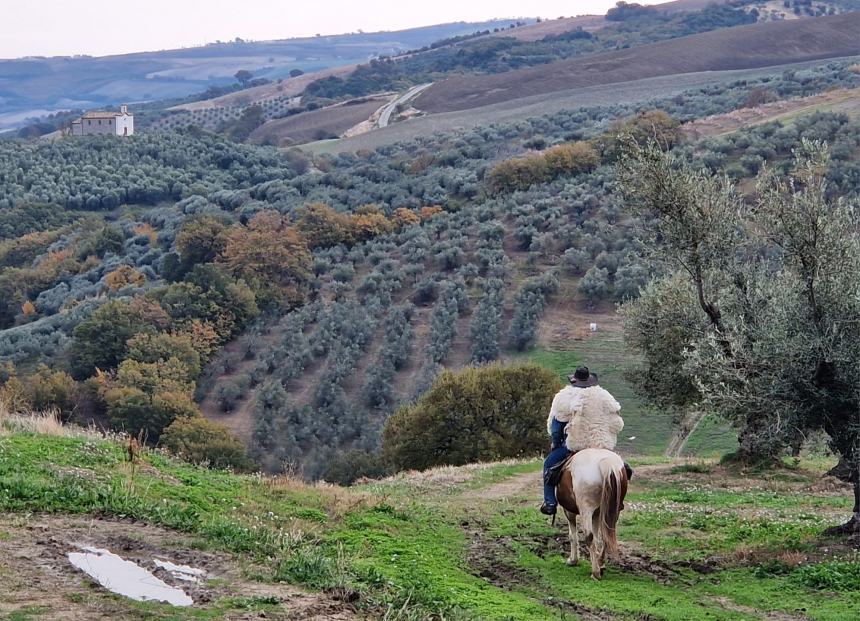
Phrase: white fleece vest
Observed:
(591, 414)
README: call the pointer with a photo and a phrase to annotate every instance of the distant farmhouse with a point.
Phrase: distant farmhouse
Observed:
(99, 122)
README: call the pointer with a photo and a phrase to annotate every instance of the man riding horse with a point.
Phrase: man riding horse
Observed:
(583, 415)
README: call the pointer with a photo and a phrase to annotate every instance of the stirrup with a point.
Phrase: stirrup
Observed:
(548, 509)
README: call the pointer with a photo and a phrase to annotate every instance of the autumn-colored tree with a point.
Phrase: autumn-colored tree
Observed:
(272, 257)
(48, 389)
(147, 230)
(203, 337)
(570, 158)
(28, 309)
(323, 227)
(159, 347)
(201, 441)
(405, 217)
(201, 239)
(150, 312)
(651, 126)
(429, 212)
(22, 250)
(123, 276)
(517, 174)
(370, 225)
(133, 410)
(170, 375)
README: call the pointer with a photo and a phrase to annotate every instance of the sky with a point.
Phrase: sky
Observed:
(101, 27)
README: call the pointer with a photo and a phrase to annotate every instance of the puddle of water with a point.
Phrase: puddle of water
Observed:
(180, 572)
(126, 577)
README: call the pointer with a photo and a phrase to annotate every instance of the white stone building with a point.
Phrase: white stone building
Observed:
(99, 122)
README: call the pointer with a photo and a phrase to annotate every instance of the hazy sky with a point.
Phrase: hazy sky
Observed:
(99, 27)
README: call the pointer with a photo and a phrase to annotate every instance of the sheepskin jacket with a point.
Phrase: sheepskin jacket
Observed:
(591, 414)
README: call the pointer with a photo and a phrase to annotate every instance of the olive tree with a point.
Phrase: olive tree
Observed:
(758, 315)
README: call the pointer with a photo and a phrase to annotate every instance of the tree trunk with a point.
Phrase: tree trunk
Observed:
(845, 472)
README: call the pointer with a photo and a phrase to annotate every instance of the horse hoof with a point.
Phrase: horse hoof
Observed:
(572, 561)
(595, 577)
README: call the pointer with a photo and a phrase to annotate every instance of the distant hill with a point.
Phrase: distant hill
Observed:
(757, 45)
(35, 85)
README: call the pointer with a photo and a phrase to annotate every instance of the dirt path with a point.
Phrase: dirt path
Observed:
(36, 575)
(517, 485)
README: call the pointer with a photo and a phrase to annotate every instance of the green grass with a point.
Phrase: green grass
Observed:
(440, 547)
(712, 437)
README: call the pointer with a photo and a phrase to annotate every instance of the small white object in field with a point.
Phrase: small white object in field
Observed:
(592, 326)
(126, 577)
(632, 438)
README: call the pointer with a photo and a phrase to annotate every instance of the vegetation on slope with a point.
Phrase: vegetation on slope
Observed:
(462, 543)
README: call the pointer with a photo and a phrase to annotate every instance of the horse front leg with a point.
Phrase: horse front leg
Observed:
(573, 558)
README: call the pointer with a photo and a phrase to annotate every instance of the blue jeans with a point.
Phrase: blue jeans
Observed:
(556, 455)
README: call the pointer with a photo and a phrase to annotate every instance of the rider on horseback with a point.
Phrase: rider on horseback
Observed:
(583, 415)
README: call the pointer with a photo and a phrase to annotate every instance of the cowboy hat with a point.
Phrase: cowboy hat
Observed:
(583, 378)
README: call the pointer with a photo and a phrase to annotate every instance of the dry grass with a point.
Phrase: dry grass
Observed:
(445, 476)
(43, 423)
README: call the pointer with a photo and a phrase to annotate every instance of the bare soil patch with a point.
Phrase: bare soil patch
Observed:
(317, 124)
(841, 100)
(553, 27)
(36, 573)
(743, 47)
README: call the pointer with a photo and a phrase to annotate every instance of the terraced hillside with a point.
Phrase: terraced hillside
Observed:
(744, 47)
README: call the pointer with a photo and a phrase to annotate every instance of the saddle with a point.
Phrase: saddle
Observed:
(553, 474)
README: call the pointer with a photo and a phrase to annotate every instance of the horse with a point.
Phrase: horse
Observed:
(593, 485)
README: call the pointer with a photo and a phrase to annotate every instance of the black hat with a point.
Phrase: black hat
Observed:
(583, 378)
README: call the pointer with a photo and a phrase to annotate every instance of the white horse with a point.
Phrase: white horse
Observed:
(593, 486)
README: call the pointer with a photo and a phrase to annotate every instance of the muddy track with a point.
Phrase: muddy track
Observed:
(36, 573)
(488, 560)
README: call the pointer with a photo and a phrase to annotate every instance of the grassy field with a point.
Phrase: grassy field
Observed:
(698, 541)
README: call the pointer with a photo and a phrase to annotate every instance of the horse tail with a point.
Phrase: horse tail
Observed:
(610, 507)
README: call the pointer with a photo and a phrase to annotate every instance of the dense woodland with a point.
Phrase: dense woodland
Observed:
(311, 297)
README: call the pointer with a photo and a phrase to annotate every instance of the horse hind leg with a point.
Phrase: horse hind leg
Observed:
(573, 558)
(596, 548)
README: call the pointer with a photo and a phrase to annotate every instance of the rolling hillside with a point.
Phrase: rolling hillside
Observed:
(36, 85)
(622, 93)
(745, 47)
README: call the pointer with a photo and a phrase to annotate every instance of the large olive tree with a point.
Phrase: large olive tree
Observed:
(756, 312)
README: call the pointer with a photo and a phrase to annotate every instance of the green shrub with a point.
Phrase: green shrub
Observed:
(831, 576)
(483, 413)
(199, 441)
